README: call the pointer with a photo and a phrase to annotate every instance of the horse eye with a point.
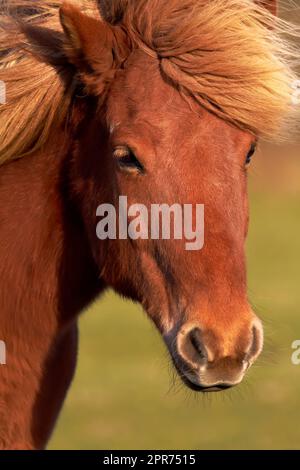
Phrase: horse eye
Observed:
(251, 153)
(127, 160)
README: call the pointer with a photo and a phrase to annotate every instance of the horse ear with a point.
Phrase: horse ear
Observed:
(94, 47)
(271, 5)
(112, 10)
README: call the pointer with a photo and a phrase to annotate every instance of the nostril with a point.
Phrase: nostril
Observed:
(257, 342)
(197, 348)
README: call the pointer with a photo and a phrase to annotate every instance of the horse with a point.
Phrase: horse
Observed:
(163, 102)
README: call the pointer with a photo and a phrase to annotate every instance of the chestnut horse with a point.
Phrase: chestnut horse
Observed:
(162, 102)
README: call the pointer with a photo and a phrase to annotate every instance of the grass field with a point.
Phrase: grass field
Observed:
(123, 396)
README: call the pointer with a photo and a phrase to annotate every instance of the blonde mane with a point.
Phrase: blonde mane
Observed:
(232, 56)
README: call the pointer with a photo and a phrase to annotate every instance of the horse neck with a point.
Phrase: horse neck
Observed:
(46, 261)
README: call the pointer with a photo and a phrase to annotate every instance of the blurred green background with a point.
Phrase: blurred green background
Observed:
(125, 394)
